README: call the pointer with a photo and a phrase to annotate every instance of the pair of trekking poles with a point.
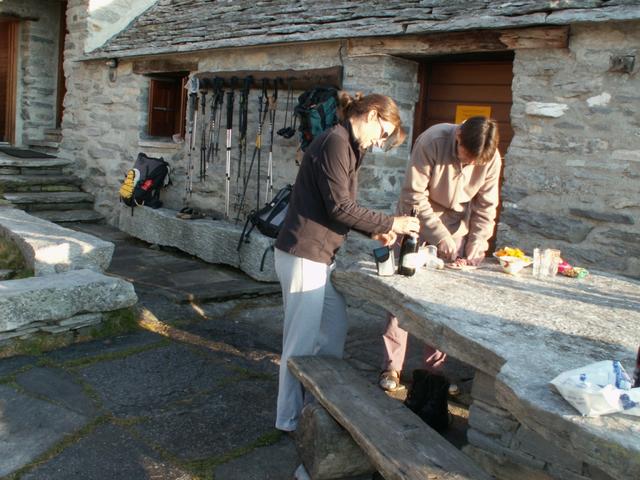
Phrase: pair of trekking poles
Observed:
(210, 143)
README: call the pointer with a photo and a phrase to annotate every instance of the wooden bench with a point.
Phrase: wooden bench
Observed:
(398, 443)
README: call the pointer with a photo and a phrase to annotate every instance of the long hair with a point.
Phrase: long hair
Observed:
(360, 105)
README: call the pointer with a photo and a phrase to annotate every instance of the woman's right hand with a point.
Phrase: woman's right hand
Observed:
(406, 225)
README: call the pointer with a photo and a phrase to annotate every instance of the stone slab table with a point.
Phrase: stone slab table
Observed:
(522, 332)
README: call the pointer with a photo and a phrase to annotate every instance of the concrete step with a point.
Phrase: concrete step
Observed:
(63, 216)
(15, 162)
(61, 200)
(39, 183)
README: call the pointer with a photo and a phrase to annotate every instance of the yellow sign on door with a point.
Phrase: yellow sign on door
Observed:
(467, 111)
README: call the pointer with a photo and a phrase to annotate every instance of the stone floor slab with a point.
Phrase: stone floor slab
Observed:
(29, 427)
(108, 453)
(275, 462)
(59, 387)
(113, 345)
(210, 425)
(9, 366)
(145, 382)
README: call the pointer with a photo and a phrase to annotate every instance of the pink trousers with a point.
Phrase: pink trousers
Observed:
(395, 348)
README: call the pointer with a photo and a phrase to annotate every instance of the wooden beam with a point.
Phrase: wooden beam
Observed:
(166, 65)
(300, 79)
(460, 42)
(12, 82)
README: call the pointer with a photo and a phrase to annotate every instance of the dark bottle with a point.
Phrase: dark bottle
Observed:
(408, 252)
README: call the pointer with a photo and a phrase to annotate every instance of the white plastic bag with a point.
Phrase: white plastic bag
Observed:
(598, 389)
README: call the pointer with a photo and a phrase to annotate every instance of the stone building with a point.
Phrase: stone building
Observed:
(560, 77)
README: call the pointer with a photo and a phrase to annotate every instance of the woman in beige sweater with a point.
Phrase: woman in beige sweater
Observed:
(453, 183)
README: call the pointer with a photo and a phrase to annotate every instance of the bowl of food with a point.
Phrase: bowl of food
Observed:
(512, 260)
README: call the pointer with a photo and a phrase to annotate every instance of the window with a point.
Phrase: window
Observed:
(167, 100)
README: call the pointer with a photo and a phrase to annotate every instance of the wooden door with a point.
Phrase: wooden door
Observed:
(8, 77)
(450, 86)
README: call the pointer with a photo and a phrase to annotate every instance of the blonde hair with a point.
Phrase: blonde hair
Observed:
(360, 105)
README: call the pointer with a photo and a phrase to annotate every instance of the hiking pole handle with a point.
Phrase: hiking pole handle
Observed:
(229, 109)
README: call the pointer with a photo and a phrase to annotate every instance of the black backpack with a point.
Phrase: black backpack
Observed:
(268, 219)
(427, 398)
(317, 110)
(142, 183)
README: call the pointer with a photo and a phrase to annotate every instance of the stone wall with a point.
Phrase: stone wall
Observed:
(508, 450)
(37, 65)
(572, 170)
(106, 125)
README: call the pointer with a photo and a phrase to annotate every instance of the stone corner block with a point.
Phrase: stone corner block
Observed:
(49, 248)
(53, 298)
(326, 449)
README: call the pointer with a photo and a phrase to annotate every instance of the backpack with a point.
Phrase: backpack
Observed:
(317, 110)
(427, 398)
(268, 219)
(142, 183)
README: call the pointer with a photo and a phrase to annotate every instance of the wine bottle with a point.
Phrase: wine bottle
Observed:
(408, 253)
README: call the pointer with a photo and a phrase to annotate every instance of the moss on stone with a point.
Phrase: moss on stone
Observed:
(11, 259)
(116, 322)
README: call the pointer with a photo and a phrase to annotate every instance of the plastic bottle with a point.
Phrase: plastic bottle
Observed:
(408, 253)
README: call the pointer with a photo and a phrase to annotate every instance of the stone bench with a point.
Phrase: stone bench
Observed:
(49, 248)
(519, 333)
(213, 241)
(396, 441)
(75, 299)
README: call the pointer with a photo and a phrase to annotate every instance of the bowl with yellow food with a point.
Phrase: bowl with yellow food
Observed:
(512, 260)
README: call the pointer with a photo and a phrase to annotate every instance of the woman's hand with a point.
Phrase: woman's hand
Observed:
(406, 225)
(447, 248)
(386, 239)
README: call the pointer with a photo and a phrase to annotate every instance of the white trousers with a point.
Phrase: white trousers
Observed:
(315, 323)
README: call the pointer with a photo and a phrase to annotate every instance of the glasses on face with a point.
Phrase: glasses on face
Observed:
(383, 133)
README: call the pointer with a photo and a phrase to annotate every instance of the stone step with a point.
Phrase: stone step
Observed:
(64, 216)
(53, 135)
(7, 161)
(48, 198)
(47, 144)
(35, 183)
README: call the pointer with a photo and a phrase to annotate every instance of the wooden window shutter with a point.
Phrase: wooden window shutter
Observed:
(165, 107)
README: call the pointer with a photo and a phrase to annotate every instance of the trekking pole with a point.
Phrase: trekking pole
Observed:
(213, 115)
(264, 98)
(192, 112)
(256, 149)
(273, 104)
(203, 138)
(228, 164)
(242, 143)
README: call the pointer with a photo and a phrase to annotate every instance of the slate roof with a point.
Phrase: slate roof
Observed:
(190, 25)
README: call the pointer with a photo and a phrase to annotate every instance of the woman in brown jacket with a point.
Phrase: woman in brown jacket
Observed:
(322, 210)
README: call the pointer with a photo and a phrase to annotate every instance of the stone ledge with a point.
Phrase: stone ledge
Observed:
(213, 241)
(47, 300)
(49, 248)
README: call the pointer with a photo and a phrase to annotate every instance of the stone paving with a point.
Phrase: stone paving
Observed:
(194, 400)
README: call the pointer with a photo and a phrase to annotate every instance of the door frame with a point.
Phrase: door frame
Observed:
(12, 25)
